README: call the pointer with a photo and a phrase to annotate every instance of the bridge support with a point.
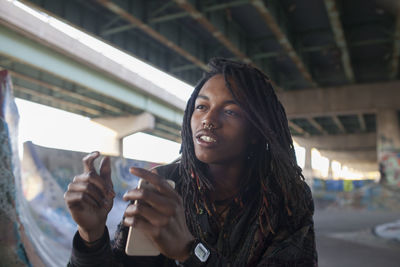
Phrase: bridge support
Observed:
(388, 146)
(125, 126)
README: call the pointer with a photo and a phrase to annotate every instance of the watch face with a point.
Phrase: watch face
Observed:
(201, 252)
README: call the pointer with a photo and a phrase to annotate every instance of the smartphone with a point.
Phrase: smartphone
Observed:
(138, 244)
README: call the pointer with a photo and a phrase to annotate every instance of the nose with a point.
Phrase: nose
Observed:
(210, 120)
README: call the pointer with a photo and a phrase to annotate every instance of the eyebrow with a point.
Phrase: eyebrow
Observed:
(226, 102)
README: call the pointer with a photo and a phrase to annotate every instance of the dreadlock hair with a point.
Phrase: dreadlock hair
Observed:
(273, 164)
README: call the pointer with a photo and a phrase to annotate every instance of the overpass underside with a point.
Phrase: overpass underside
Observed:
(349, 114)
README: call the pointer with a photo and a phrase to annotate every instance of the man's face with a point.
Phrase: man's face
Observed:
(220, 129)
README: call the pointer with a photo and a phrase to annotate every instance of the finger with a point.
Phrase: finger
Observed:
(141, 224)
(89, 160)
(159, 182)
(79, 200)
(93, 178)
(147, 212)
(105, 173)
(159, 203)
(89, 189)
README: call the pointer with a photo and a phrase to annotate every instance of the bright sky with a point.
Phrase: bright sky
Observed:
(56, 128)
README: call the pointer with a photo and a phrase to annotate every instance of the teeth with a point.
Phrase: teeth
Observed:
(207, 138)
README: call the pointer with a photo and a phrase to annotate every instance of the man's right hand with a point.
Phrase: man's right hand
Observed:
(90, 196)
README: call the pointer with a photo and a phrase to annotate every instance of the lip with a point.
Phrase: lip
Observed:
(203, 143)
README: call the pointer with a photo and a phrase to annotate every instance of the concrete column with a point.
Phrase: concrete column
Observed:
(330, 171)
(127, 125)
(388, 146)
(307, 170)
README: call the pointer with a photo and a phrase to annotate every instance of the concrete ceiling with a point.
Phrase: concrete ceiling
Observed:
(332, 62)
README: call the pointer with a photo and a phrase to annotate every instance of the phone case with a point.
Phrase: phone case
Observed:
(138, 244)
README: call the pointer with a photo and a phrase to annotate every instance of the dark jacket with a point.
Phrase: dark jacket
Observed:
(238, 243)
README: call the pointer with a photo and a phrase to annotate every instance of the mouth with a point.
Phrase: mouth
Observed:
(206, 138)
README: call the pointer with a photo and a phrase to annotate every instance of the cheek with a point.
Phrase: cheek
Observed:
(192, 125)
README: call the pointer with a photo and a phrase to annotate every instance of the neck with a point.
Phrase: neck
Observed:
(226, 180)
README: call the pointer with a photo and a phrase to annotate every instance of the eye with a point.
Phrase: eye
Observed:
(230, 112)
(200, 107)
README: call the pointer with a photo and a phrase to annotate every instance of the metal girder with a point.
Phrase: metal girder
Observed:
(340, 39)
(297, 128)
(361, 120)
(339, 124)
(394, 66)
(317, 126)
(168, 17)
(117, 29)
(350, 99)
(151, 32)
(357, 141)
(282, 39)
(164, 134)
(183, 68)
(22, 49)
(92, 101)
(225, 5)
(210, 27)
(207, 9)
(58, 103)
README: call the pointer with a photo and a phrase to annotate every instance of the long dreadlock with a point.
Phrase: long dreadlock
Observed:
(273, 164)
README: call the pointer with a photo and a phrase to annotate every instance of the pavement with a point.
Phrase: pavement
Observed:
(345, 237)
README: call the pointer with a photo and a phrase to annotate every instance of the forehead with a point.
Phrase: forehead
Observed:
(215, 87)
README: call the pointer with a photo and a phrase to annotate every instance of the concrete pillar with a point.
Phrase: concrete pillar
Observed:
(307, 170)
(388, 146)
(127, 125)
(330, 171)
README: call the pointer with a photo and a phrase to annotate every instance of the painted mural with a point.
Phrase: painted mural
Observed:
(390, 168)
(46, 174)
(355, 194)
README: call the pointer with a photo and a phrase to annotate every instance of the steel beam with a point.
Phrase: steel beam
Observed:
(67, 92)
(361, 120)
(127, 125)
(341, 100)
(207, 9)
(219, 35)
(117, 29)
(282, 39)
(394, 65)
(317, 126)
(167, 128)
(168, 17)
(349, 142)
(334, 19)
(225, 5)
(339, 124)
(54, 52)
(183, 68)
(166, 135)
(297, 128)
(151, 32)
(58, 103)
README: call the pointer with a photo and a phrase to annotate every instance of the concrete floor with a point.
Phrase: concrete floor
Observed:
(345, 238)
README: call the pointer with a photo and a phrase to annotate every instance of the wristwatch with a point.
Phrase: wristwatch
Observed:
(199, 255)
(201, 252)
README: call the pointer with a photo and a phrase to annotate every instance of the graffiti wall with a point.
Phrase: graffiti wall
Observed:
(389, 167)
(355, 194)
(46, 174)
